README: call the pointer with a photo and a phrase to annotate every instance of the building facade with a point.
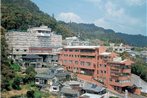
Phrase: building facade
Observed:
(102, 66)
(37, 41)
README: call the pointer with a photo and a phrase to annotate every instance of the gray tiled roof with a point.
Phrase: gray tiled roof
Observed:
(68, 90)
(44, 76)
(92, 87)
(51, 73)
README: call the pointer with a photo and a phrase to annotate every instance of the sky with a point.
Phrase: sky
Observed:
(126, 16)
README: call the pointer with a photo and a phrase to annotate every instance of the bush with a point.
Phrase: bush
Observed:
(30, 94)
(16, 83)
(5, 85)
(15, 67)
(37, 94)
(17, 96)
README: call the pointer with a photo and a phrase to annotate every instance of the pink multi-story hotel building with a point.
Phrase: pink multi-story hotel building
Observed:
(94, 61)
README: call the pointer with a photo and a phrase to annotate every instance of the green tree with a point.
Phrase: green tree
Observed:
(30, 71)
(7, 72)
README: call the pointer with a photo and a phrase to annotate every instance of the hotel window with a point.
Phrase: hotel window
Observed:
(94, 65)
(87, 63)
(76, 50)
(17, 49)
(97, 65)
(97, 72)
(70, 50)
(82, 62)
(70, 61)
(24, 50)
(76, 62)
(65, 50)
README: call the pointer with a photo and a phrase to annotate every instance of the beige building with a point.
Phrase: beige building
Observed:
(37, 41)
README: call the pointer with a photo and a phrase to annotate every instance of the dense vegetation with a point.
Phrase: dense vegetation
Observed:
(7, 73)
(140, 68)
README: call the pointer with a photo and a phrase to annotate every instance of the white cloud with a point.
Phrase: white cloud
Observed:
(117, 19)
(69, 16)
(135, 2)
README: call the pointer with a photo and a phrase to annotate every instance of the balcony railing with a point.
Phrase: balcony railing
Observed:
(43, 34)
(121, 84)
(126, 70)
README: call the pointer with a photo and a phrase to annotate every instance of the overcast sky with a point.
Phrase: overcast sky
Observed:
(127, 16)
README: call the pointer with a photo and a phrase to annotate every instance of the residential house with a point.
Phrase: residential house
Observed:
(32, 60)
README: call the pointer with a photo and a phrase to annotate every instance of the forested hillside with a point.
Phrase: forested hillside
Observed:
(22, 14)
(90, 31)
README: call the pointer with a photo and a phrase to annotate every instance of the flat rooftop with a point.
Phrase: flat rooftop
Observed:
(82, 47)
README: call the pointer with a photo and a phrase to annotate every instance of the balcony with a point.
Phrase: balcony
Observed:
(91, 67)
(115, 74)
(88, 53)
(126, 70)
(124, 78)
(120, 84)
(88, 59)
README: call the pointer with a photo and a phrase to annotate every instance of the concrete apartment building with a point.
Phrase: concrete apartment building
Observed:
(75, 41)
(36, 41)
(102, 66)
(120, 48)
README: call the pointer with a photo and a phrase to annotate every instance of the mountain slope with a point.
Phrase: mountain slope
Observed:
(90, 31)
(135, 40)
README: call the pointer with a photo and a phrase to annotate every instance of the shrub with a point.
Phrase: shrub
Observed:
(16, 83)
(30, 94)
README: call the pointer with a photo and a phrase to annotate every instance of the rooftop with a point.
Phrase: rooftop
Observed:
(45, 76)
(32, 56)
(93, 87)
(88, 79)
(83, 47)
(68, 90)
